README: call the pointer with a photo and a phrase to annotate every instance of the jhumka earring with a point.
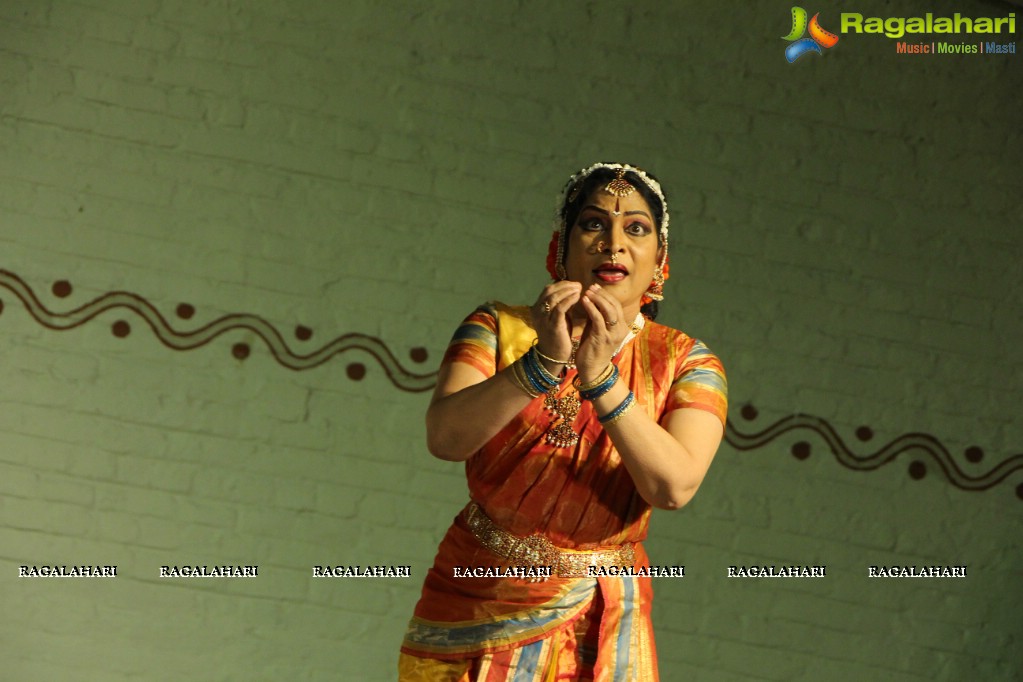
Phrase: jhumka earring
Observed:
(656, 290)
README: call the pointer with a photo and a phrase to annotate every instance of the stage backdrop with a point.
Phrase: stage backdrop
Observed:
(235, 238)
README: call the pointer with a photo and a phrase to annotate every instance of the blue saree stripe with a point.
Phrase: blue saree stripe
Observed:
(529, 659)
(455, 637)
(477, 334)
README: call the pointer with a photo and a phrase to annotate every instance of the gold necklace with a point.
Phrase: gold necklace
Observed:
(565, 409)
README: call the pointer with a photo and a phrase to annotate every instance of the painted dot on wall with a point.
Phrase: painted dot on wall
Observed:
(748, 412)
(356, 371)
(418, 354)
(185, 311)
(62, 288)
(864, 433)
(801, 450)
(1, 307)
(1019, 491)
(121, 329)
(917, 470)
(240, 350)
(303, 333)
(974, 454)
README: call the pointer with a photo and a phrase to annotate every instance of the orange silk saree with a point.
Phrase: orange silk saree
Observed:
(579, 497)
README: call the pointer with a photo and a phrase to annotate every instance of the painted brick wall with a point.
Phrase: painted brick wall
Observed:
(845, 236)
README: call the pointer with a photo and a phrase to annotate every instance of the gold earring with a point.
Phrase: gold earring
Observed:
(656, 290)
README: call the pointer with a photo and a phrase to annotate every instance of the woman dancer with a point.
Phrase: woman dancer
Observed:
(575, 416)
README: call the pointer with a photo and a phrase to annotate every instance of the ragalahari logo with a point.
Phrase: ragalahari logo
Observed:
(818, 36)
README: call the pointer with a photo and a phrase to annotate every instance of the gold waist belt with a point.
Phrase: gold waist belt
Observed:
(536, 550)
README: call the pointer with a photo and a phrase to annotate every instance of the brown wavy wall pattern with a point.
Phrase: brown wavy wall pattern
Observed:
(925, 449)
(146, 312)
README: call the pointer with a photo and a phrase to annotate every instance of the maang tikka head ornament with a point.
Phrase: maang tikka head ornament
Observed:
(618, 187)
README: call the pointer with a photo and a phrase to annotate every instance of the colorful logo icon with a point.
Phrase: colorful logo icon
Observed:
(818, 36)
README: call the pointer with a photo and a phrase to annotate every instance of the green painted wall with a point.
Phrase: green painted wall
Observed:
(845, 236)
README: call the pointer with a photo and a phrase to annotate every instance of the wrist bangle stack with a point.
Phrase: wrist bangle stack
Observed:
(599, 386)
(620, 411)
(548, 358)
(531, 376)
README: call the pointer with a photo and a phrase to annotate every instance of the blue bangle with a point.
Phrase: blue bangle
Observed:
(548, 378)
(539, 378)
(601, 388)
(614, 414)
(538, 385)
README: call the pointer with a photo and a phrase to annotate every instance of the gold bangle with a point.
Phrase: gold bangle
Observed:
(519, 375)
(590, 385)
(547, 357)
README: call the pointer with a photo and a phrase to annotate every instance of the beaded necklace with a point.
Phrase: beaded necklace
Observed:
(560, 433)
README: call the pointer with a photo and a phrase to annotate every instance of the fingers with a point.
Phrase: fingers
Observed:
(609, 307)
(554, 295)
(551, 319)
(601, 338)
(555, 300)
(599, 327)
